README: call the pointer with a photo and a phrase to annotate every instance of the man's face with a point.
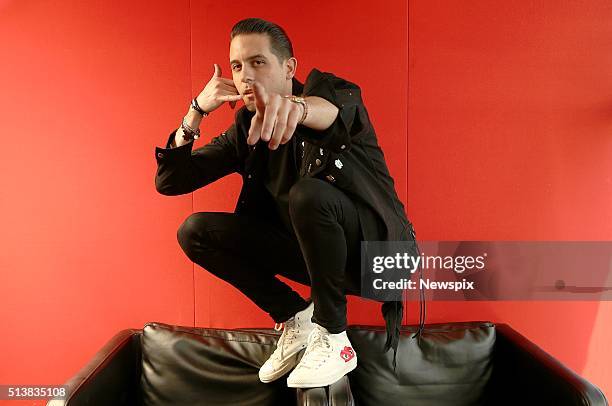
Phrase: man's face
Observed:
(252, 60)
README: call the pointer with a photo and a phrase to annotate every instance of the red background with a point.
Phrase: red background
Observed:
(494, 119)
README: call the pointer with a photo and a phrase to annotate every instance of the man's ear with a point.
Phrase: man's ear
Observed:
(291, 67)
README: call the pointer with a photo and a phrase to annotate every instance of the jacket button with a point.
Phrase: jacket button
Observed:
(249, 176)
(342, 146)
(160, 155)
(330, 178)
(318, 162)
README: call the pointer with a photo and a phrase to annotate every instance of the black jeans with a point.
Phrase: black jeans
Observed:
(323, 253)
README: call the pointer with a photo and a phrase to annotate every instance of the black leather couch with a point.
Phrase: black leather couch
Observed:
(463, 363)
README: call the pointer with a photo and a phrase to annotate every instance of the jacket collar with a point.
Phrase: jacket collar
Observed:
(298, 87)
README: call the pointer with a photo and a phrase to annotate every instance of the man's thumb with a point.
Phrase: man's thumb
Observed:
(217, 71)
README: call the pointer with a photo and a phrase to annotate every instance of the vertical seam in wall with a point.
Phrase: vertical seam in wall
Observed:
(407, 132)
(193, 288)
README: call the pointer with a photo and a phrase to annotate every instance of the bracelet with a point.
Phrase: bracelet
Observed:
(302, 101)
(305, 112)
(189, 133)
(196, 107)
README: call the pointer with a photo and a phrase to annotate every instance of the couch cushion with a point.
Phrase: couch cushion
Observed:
(449, 365)
(205, 366)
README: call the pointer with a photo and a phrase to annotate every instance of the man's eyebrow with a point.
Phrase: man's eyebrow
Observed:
(249, 58)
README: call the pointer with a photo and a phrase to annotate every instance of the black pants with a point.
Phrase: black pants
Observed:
(324, 253)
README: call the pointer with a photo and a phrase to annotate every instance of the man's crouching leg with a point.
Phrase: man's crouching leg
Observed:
(236, 248)
(326, 223)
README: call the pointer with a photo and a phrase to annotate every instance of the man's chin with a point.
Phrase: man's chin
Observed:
(250, 106)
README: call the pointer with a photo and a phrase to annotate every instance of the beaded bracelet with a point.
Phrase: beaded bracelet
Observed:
(188, 132)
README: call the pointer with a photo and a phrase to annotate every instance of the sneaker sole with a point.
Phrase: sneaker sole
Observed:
(335, 378)
(284, 369)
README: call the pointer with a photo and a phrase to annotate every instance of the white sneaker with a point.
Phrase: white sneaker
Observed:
(293, 340)
(328, 358)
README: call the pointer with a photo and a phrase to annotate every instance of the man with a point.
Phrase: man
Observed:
(315, 185)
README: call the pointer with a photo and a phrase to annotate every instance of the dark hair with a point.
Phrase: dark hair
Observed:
(280, 44)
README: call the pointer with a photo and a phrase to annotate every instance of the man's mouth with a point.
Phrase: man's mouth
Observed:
(249, 94)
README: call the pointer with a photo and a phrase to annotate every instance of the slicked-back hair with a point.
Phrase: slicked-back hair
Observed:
(280, 44)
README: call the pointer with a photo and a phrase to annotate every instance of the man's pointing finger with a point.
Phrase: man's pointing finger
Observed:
(259, 92)
(229, 97)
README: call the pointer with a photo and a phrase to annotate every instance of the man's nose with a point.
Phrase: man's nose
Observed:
(246, 76)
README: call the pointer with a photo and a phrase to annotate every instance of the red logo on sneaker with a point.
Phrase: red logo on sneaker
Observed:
(347, 354)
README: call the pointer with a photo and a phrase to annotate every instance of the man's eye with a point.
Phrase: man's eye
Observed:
(259, 61)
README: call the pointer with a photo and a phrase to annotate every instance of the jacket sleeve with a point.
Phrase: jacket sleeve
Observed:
(352, 118)
(181, 170)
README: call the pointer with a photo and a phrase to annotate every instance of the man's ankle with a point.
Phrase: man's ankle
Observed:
(333, 331)
(304, 308)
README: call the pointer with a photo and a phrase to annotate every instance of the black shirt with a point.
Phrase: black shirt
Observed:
(282, 165)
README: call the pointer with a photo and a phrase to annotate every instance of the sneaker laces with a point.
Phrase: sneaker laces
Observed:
(290, 329)
(319, 348)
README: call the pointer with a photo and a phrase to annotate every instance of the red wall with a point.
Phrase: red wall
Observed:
(510, 139)
(497, 130)
(88, 246)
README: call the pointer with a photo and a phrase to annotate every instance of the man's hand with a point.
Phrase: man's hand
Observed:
(217, 91)
(273, 112)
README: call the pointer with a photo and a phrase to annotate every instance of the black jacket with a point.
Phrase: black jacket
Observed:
(346, 154)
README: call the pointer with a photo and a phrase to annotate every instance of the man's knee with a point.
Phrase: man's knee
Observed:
(192, 228)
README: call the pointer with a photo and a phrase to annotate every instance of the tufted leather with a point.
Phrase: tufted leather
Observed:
(461, 363)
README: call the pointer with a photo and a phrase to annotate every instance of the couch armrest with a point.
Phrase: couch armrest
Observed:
(111, 377)
(526, 374)
(337, 394)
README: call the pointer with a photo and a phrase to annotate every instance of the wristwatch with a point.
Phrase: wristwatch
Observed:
(196, 107)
